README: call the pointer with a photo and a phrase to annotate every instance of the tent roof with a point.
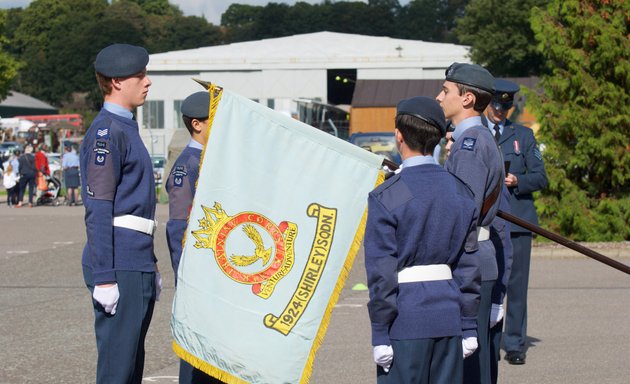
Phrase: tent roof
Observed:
(312, 50)
(20, 100)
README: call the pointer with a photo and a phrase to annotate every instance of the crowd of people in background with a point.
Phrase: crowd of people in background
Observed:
(29, 170)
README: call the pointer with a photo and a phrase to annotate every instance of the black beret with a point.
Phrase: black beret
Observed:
(471, 74)
(504, 90)
(424, 108)
(121, 60)
(197, 105)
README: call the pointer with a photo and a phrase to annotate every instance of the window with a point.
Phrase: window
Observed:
(177, 114)
(153, 114)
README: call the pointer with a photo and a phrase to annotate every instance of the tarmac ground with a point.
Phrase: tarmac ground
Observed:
(579, 311)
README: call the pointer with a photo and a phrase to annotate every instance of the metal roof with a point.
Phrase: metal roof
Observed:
(312, 50)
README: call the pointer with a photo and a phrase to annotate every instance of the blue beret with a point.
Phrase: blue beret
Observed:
(197, 105)
(471, 74)
(121, 60)
(504, 90)
(424, 108)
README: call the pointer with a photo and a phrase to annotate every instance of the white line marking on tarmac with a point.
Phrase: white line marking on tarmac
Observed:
(17, 252)
(63, 242)
(161, 379)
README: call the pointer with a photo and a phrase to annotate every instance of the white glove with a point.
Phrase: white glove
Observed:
(383, 356)
(158, 285)
(107, 297)
(496, 314)
(469, 345)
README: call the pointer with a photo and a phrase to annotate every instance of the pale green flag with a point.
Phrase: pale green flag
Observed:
(277, 219)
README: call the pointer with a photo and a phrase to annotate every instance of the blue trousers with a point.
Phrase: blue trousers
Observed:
(477, 365)
(515, 333)
(120, 337)
(191, 375)
(424, 361)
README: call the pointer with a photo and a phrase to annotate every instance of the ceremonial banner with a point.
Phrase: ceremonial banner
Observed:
(276, 222)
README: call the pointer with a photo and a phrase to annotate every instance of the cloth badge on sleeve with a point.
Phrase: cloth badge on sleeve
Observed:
(178, 175)
(100, 158)
(102, 133)
(469, 143)
(537, 154)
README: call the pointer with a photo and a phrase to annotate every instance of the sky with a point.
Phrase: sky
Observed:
(210, 9)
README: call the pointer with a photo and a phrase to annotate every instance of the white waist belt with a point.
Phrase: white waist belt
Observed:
(483, 233)
(136, 223)
(431, 272)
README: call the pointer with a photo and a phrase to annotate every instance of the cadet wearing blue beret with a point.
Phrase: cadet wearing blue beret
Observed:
(420, 258)
(119, 199)
(181, 188)
(475, 158)
(526, 174)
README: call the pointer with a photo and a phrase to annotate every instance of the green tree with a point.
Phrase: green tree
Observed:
(500, 36)
(8, 65)
(584, 116)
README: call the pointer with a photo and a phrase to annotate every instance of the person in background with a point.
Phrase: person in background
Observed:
(475, 159)
(28, 174)
(9, 181)
(181, 187)
(423, 274)
(15, 163)
(119, 264)
(70, 164)
(526, 175)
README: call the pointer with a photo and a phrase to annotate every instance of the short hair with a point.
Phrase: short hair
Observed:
(482, 97)
(188, 123)
(104, 83)
(419, 135)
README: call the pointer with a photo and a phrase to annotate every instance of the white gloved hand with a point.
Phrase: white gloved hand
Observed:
(158, 285)
(496, 314)
(107, 296)
(383, 356)
(469, 346)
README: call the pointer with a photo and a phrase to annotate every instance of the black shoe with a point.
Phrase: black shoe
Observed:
(515, 357)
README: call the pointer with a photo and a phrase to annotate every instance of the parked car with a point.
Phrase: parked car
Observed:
(158, 168)
(7, 148)
(381, 143)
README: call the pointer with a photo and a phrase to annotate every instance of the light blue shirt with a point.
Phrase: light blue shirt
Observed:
(492, 128)
(70, 159)
(118, 110)
(195, 144)
(418, 160)
(465, 124)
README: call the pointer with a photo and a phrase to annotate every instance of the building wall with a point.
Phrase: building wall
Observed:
(372, 119)
(273, 88)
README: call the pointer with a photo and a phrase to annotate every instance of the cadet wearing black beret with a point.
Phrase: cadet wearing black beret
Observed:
(119, 199)
(475, 159)
(425, 109)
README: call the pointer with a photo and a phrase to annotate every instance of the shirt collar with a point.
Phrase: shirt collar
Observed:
(465, 124)
(195, 144)
(418, 160)
(117, 110)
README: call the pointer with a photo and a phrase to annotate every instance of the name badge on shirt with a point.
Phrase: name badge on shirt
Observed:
(469, 143)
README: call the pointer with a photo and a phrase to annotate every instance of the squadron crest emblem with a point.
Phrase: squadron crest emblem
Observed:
(267, 257)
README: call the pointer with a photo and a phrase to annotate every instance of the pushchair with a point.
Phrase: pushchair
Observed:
(51, 195)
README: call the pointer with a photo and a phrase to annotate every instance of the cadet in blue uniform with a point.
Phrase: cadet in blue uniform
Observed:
(475, 158)
(526, 175)
(181, 187)
(119, 266)
(422, 269)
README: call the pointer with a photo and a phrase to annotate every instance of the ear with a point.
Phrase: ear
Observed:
(398, 136)
(468, 100)
(197, 126)
(116, 83)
